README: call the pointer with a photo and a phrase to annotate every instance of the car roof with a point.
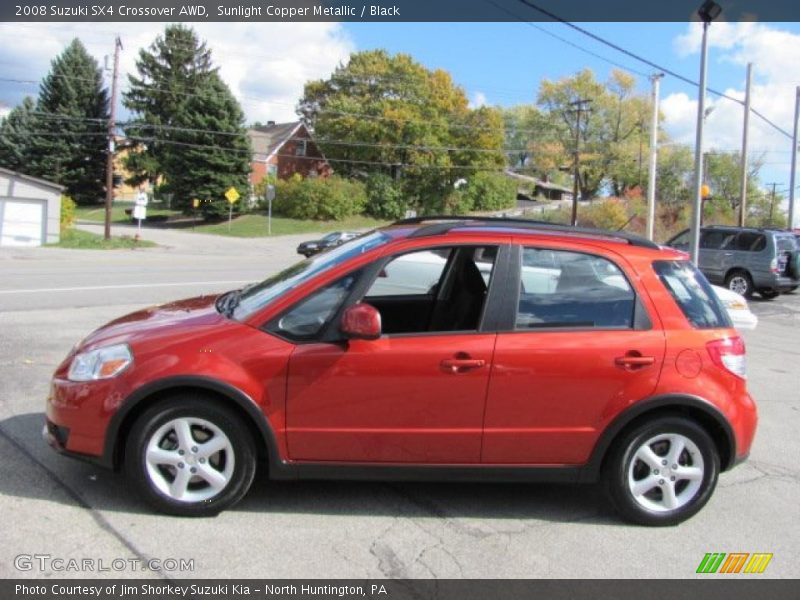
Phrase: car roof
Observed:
(429, 226)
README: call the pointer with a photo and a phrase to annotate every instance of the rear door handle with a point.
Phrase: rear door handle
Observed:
(631, 362)
(461, 365)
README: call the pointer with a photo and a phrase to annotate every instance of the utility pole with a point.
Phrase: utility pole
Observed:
(651, 176)
(792, 185)
(745, 133)
(580, 107)
(697, 200)
(772, 202)
(112, 125)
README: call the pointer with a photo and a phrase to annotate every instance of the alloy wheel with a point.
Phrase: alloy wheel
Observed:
(189, 459)
(666, 472)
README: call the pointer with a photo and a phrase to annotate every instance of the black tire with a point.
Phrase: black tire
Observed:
(769, 294)
(649, 509)
(793, 289)
(740, 282)
(206, 419)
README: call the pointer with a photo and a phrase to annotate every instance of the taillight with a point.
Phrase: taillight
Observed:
(729, 353)
(773, 265)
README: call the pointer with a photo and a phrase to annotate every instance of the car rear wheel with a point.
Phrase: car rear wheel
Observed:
(662, 472)
(740, 282)
(189, 456)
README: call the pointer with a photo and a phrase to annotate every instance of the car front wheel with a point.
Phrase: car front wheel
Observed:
(662, 472)
(190, 456)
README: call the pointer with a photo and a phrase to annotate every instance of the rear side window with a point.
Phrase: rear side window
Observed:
(693, 294)
(572, 289)
(751, 241)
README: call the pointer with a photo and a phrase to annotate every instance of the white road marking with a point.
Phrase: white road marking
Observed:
(121, 287)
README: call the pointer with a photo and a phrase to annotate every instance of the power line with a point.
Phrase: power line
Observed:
(643, 60)
(565, 41)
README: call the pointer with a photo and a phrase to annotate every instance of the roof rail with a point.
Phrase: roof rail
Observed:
(443, 223)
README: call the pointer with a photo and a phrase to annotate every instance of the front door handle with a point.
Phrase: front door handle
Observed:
(461, 365)
(633, 361)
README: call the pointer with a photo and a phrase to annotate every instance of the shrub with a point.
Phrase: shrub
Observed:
(608, 214)
(384, 197)
(67, 212)
(490, 191)
(319, 198)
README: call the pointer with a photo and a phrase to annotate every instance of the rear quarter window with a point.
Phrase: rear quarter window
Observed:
(693, 294)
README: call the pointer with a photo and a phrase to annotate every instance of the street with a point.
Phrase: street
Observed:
(51, 298)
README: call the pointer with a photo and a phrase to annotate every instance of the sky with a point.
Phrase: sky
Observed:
(266, 64)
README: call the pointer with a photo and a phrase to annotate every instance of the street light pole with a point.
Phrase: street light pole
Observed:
(697, 200)
(651, 175)
(743, 195)
(792, 185)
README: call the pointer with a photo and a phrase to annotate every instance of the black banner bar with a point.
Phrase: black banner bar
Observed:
(391, 10)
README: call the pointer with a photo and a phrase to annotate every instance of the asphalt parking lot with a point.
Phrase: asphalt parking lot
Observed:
(61, 508)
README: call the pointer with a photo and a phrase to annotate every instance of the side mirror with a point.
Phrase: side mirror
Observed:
(361, 321)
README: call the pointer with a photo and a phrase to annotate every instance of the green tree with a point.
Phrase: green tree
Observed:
(15, 139)
(674, 175)
(612, 131)
(723, 174)
(170, 72)
(72, 109)
(534, 142)
(387, 113)
(214, 150)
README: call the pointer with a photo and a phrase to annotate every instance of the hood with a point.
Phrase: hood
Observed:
(169, 318)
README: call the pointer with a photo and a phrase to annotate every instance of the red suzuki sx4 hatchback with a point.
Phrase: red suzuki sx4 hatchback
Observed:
(443, 349)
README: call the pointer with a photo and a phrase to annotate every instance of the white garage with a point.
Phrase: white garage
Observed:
(30, 210)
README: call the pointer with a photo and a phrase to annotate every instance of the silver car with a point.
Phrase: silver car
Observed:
(746, 260)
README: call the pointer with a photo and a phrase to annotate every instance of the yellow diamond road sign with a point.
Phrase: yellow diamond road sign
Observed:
(232, 195)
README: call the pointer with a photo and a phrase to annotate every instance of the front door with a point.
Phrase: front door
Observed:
(415, 395)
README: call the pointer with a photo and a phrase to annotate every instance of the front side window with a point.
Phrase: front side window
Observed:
(433, 290)
(693, 294)
(305, 320)
(717, 240)
(571, 289)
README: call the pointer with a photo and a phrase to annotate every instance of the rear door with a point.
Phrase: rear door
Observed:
(716, 253)
(578, 352)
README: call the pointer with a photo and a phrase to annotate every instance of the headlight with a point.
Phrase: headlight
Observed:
(736, 304)
(102, 363)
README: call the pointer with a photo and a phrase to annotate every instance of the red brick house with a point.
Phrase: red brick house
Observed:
(283, 149)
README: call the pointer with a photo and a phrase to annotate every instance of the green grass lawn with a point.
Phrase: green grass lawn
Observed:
(83, 240)
(256, 226)
(98, 213)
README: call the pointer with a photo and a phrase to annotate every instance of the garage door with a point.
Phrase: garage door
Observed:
(22, 222)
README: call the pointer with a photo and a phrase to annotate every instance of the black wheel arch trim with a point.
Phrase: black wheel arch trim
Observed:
(112, 446)
(592, 469)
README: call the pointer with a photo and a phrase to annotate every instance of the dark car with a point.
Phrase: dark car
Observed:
(746, 259)
(331, 240)
(468, 349)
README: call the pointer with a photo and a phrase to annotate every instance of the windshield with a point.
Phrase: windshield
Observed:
(256, 296)
(331, 237)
